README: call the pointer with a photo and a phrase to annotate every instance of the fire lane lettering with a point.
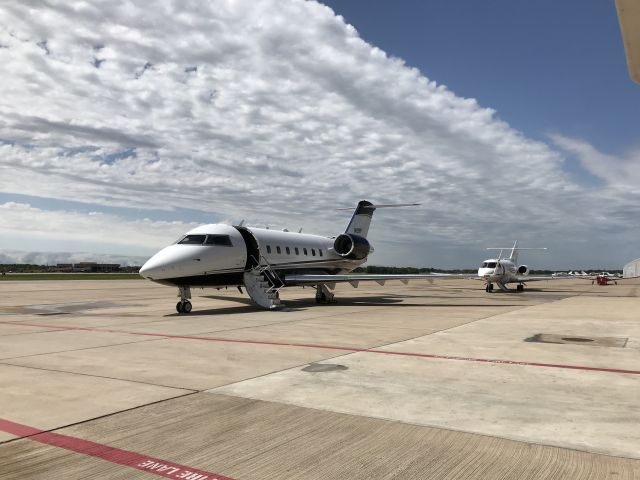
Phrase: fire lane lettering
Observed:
(172, 471)
(127, 458)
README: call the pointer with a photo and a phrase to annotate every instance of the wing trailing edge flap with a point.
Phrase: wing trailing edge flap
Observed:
(354, 280)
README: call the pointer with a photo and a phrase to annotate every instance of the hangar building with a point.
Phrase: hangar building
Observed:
(632, 269)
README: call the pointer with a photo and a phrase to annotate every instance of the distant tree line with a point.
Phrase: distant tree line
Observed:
(23, 268)
(30, 268)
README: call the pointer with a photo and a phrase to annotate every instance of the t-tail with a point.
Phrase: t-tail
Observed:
(514, 251)
(361, 219)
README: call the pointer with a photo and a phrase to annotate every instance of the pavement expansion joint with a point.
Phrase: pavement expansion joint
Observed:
(122, 379)
(99, 417)
(78, 349)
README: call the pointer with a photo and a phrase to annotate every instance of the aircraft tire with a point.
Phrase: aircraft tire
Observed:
(179, 307)
(186, 307)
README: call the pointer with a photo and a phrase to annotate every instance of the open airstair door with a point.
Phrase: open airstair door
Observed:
(253, 250)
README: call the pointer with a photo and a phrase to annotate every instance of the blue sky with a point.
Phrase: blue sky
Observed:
(505, 120)
(545, 65)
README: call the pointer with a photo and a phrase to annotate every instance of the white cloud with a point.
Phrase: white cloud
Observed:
(102, 231)
(617, 171)
(262, 109)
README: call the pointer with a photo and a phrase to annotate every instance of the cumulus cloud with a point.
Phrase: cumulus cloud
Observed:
(261, 109)
(20, 219)
(617, 171)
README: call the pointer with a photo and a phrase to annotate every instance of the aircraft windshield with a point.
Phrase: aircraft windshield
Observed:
(222, 240)
(489, 265)
(192, 240)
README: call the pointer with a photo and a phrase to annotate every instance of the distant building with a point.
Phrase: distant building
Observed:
(632, 269)
(88, 267)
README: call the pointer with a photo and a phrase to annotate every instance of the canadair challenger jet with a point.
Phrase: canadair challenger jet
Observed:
(503, 271)
(264, 261)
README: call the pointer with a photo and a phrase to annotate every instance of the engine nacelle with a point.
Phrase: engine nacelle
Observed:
(523, 270)
(353, 247)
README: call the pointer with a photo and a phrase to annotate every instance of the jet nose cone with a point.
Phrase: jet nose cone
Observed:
(151, 268)
(145, 270)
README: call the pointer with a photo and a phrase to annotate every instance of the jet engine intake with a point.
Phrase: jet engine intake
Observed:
(353, 247)
(523, 270)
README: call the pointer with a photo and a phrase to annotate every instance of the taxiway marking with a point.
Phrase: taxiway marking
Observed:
(336, 347)
(161, 468)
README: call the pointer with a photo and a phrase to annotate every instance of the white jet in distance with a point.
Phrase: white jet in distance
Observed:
(264, 261)
(503, 271)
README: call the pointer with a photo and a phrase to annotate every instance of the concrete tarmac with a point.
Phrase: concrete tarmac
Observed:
(102, 379)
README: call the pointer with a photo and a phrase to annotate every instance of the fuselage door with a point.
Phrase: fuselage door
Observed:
(253, 251)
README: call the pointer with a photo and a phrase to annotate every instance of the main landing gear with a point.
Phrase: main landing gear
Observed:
(520, 287)
(489, 287)
(184, 305)
(324, 295)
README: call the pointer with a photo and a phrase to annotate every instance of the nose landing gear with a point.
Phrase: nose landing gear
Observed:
(184, 305)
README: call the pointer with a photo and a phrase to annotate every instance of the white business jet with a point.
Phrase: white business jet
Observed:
(264, 261)
(503, 271)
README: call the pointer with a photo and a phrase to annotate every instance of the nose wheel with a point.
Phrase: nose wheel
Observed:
(184, 307)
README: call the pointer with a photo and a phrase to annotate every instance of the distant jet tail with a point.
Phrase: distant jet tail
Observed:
(515, 250)
(361, 218)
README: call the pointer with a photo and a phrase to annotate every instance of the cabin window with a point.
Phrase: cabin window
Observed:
(297, 251)
(268, 248)
(278, 249)
(320, 251)
(313, 252)
(287, 250)
(192, 240)
(305, 251)
(221, 240)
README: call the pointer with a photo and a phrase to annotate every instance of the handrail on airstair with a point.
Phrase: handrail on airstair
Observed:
(267, 267)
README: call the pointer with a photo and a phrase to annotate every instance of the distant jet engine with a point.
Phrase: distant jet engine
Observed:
(523, 270)
(353, 247)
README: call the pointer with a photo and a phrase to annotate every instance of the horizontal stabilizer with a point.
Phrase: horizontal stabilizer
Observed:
(517, 248)
(361, 218)
(390, 205)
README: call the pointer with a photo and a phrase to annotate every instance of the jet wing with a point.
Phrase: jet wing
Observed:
(354, 279)
(527, 278)
(629, 17)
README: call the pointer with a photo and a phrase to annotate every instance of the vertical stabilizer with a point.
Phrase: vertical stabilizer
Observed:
(361, 219)
(514, 253)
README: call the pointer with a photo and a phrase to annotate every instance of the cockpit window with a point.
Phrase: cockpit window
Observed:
(192, 240)
(220, 240)
(489, 265)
